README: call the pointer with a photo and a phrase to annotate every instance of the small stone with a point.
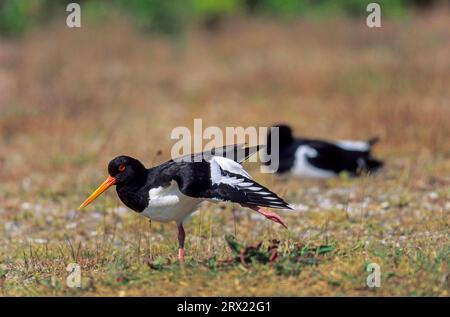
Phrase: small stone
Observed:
(72, 225)
(26, 206)
(11, 228)
(39, 241)
(433, 195)
(26, 184)
(71, 214)
(300, 207)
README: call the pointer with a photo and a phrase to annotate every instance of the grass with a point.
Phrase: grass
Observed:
(73, 99)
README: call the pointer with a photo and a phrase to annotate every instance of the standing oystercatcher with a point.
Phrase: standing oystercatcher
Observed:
(173, 190)
(322, 159)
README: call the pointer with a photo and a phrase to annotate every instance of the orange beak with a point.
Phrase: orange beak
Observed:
(104, 186)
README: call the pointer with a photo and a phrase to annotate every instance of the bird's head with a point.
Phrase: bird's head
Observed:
(285, 136)
(122, 170)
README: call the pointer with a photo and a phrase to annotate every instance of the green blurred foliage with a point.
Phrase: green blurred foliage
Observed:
(204, 8)
(211, 13)
(283, 7)
(96, 11)
(318, 8)
(164, 16)
(17, 15)
(388, 7)
(173, 16)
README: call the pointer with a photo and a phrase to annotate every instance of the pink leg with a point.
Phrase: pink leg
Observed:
(181, 254)
(269, 215)
(181, 236)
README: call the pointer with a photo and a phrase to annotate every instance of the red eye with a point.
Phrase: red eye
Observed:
(121, 168)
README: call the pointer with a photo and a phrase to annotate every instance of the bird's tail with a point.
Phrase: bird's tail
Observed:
(373, 141)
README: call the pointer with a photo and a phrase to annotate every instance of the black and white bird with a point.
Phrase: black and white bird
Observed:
(322, 159)
(173, 190)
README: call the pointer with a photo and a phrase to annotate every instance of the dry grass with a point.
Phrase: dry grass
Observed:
(72, 99)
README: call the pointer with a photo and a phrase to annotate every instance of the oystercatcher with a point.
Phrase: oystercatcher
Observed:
(322, 159)
(173, 190)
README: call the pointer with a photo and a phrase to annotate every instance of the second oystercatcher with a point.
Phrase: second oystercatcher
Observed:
(322, 159)
(173, 190)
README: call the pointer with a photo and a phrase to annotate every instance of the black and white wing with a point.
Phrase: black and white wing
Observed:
(230, 182)
(236, 152)
(219, 178)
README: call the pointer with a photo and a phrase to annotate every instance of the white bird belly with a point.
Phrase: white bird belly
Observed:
(169, 204)
(303, 168)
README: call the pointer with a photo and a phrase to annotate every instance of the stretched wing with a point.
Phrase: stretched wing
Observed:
(236, 152)
(230, 182)
(217, 177)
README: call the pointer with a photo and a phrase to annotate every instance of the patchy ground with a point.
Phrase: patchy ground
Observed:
(70, 101)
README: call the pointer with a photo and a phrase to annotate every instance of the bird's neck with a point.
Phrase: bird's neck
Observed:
(133, 195)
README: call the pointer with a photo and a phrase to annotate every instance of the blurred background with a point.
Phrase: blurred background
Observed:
(136, 69)
(73, 98)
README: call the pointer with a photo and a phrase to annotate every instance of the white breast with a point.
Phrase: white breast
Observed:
(303, 168)
(169, 204)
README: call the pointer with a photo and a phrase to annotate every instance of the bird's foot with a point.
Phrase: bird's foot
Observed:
(181, 254)
(271, 216)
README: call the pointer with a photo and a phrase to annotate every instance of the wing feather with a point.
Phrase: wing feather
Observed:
(236, 152)
(230, 182)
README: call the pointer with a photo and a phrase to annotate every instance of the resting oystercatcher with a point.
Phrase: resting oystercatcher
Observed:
(173, 190)
(322, 159)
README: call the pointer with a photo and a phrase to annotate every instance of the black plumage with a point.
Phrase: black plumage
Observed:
(309, 157)
(193, 179)
(172, 191)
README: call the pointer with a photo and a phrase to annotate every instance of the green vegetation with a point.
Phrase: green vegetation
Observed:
(172, 16)
(16, 16)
